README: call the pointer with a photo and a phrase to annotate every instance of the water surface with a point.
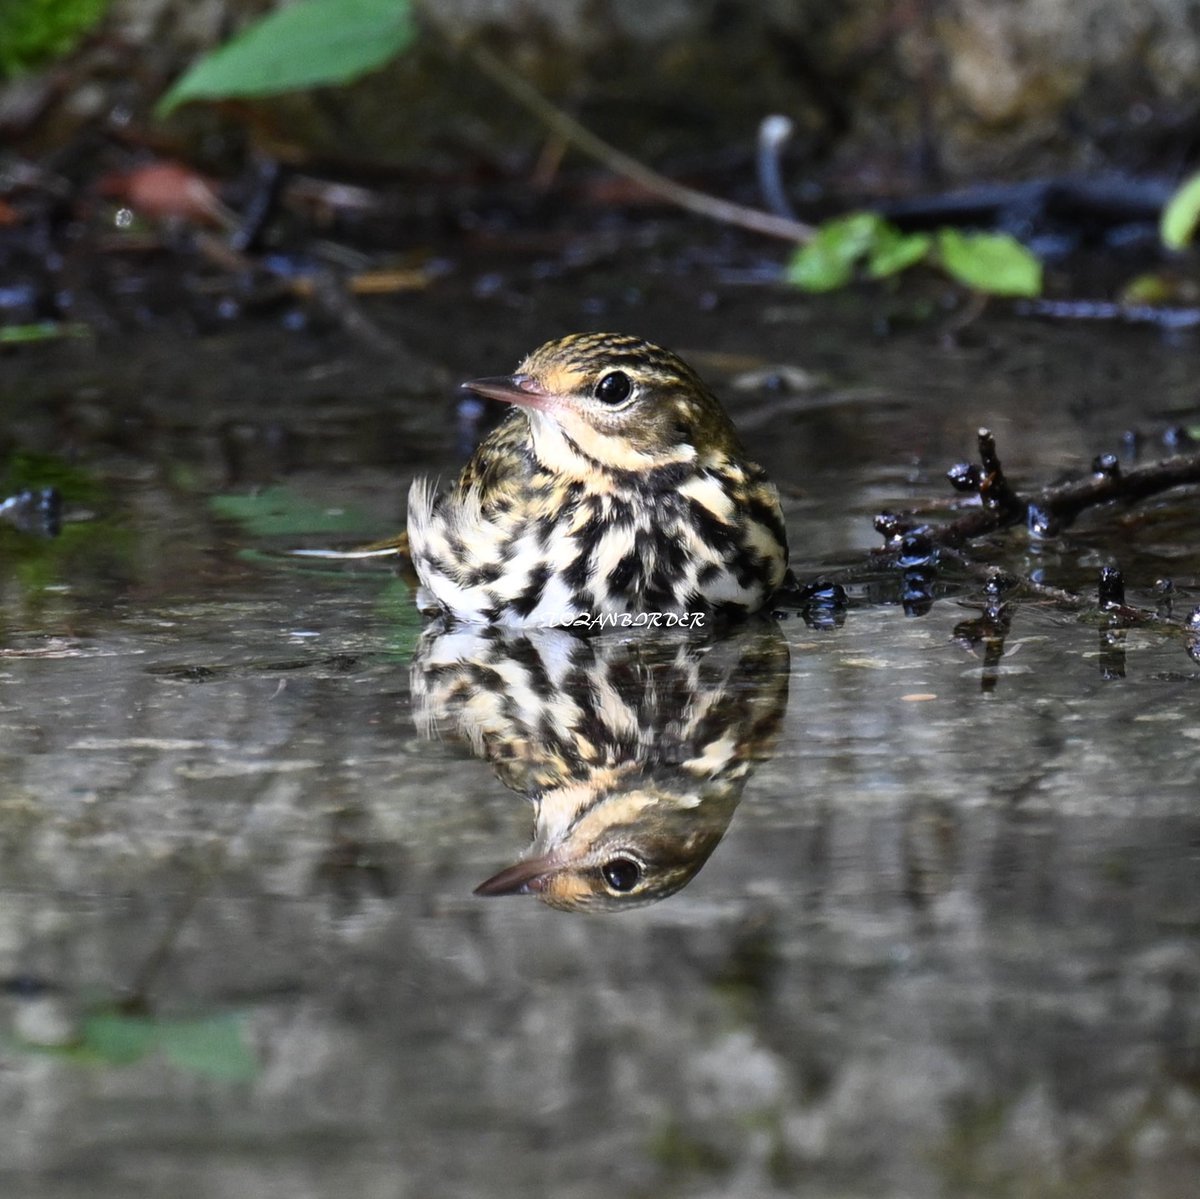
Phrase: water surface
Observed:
(948, 938)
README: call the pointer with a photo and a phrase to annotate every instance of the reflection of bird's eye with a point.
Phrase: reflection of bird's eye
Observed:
(621, 874)
(614, 387)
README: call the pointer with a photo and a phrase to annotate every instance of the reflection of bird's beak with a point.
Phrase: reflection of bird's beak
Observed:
(523, 878)
(514, 389)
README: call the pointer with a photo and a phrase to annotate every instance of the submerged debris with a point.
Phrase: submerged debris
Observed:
(36, 512)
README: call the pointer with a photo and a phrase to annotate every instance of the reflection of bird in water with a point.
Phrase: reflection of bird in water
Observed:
(633, 751)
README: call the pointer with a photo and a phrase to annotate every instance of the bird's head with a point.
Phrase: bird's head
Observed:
(616, 402)
(625, 847)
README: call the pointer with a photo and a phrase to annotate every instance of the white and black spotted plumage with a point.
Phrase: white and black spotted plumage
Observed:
(616, 485)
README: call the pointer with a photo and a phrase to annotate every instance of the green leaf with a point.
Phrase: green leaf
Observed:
(118, 1039)
(827, 261)
(16, 335)
(894, 252)
(813, 268)
(990, 262)
(308, 44)
(281, 512)
(212, 1046)
(1179, 218)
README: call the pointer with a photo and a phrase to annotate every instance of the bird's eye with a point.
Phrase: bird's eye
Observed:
(614, 387)
(622, 874)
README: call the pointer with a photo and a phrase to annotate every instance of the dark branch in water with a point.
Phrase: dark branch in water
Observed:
(1105, 200)
(915, 547)
(1162, 315)
(1045, 514)
(1048, 511)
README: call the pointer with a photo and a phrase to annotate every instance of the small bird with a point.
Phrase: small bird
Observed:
(634, 751)
(617, 485)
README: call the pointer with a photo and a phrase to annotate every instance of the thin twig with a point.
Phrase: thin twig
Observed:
(617, 161)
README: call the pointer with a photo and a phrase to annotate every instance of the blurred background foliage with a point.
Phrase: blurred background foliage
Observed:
(885, 102)
(941, 88)
(33, 31)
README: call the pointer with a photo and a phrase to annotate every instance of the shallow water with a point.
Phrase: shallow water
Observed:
(948, 939)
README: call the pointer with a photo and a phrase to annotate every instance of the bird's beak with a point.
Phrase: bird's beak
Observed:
(514, 389)
(524, 878)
